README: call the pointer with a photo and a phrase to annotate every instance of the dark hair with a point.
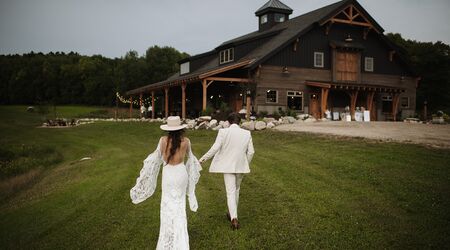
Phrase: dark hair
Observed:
(234, 118)
(175, 138)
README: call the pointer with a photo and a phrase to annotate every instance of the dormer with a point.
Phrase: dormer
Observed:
(272, 13)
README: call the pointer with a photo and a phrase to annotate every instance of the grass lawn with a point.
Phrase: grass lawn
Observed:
(305, 191)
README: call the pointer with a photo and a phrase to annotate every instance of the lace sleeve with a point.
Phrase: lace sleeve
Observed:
(193, 167)
(146, 182)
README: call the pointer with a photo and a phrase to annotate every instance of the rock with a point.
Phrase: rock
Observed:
(201, 125)
(243, 111)
(212, 123)
(324, 119)
(260, 125)
(310, 119)
(248, 125)
(204, 118)
(252, 118)
(268, 119)
(217, 127)
(270, 125)
(291, 119)
(30, 109)
(302, 116)
(191, 124)
(285, 120)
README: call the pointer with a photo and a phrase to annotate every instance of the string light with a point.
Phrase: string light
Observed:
(135, 102)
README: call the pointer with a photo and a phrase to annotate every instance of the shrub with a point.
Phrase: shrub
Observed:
(276, 115)
(208, 111)
(263, 114)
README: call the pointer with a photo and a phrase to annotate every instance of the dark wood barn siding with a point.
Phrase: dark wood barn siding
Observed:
(199, 62)
(317, 41)
(243, 49)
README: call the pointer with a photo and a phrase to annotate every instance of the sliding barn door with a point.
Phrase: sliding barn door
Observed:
(347, 66)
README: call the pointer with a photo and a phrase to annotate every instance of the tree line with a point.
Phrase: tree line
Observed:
(430, 61)
(60, 78)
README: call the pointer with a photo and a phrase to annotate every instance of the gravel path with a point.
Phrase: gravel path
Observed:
(417, 133)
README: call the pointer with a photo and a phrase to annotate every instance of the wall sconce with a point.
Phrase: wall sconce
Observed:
(285, 70)
(348, 39)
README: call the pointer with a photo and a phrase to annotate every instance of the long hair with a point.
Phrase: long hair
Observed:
(174, 137)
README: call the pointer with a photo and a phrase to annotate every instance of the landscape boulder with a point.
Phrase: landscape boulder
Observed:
(268, 119)
(212, 123)
(204, 118)
(260, 125)
(248, 125)
(270, 125)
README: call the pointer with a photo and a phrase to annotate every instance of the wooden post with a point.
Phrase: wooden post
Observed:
(131, 106)
(166, 106)
(183, 101)
(353, 98)
(247, 107)
(395, 100)
(425, 111)
(153, 104)
(140, 105)
(369, 104)
(205, 93)
(323, 101)
(117, 107)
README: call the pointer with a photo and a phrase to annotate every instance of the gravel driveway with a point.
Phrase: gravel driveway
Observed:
(417, 133)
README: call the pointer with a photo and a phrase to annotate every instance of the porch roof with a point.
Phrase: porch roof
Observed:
(177, 79)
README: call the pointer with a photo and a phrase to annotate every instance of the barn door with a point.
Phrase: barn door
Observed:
(314, 106)
(347, 66)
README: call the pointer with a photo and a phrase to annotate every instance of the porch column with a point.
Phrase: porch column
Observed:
(131, 106)
(353, 98)
(153, 104)
(395, 100)
(140, 105)
(166, 102)
(369, 104)
(324, 101)
(249, 100)
(183, 101)
(205, 93)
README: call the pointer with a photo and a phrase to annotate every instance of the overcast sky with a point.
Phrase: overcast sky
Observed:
(113, 27)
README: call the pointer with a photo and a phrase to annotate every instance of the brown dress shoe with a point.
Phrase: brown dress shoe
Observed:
(228, 216)
(235, 224)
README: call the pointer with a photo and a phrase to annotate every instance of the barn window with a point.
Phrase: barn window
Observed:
(264, 19)
(295, 100)
(272, 96)
(279, 18)
(184, 68)
(368, 64)
(227, 55)
(318, 59)
(405, 102)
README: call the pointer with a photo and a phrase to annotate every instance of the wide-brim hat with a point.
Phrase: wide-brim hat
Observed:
(173, 124)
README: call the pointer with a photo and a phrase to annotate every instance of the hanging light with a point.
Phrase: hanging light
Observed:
(348, 39)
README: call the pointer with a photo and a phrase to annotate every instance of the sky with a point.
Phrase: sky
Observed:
(113, 27)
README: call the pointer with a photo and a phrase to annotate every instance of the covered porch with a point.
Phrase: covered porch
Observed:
(188, 95)
(336, 96)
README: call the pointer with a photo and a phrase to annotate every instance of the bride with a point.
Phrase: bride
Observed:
(178, 180)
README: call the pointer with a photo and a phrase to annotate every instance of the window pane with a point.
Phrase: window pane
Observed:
(231, 54)
(271, 96)
(295, 103)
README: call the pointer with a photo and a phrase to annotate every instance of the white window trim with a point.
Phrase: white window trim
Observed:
(295, 95)
(366, 68)
(315, 61)
(283, 17)
(406, 107)
(226, 52)
(276, 91)
(184, 68)
(264, 19)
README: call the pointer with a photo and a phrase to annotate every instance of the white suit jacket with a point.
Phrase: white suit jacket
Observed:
(233, 151)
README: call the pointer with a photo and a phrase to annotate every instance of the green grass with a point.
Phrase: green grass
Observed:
(304, 191)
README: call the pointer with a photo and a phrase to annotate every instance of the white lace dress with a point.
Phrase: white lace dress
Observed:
(177, 182)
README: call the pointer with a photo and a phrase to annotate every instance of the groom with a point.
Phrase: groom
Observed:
(232, 151)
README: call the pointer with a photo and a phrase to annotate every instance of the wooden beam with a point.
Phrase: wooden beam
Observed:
(183, 101)
(369, 100)
(205, 93)
(140, 105)
(323, 101)
(228, 79)
(353, 98)
(249, 100)
(166, 102)
(395, 101)
(319, 84)
(131, 106)
(352, 22)
(153, 104)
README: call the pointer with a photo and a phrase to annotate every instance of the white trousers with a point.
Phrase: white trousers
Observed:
(232, 186)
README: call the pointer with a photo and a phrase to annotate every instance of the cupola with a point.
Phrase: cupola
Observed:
(272, 13)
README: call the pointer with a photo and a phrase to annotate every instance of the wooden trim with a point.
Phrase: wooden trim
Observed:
(166, 102)
(351, 12)
(395, 101)
(369, 100)
(183, 101)
(318, 84)
(226, 68)
(209, 83)
(247, 114)
(353, 98)
(228, 79)
(323, 101)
